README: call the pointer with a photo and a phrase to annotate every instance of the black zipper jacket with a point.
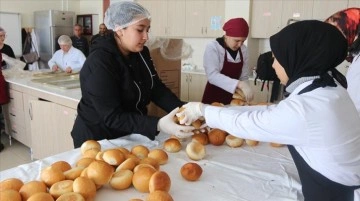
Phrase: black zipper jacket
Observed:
(115, 93)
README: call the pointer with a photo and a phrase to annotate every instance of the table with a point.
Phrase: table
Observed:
(260, 173)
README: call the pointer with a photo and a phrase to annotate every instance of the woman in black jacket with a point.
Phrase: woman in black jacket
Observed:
(118, 80)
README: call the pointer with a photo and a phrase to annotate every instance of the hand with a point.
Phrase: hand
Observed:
(68, 70)
(246, 89)
(55, 68)
(191, 112)
(167, 125)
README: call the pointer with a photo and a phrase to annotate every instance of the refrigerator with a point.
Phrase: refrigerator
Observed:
(49, 25)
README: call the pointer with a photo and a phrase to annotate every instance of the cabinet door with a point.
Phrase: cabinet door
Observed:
(354, 3)
(197, 83)
(50, 128)
(158, 12)
(194, 17)
(214, 18)
(184, 90)
(265, 18)
(322, 9)
(175, 18)
(297, 10)
(27, 112)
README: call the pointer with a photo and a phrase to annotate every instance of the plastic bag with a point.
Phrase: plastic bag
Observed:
(31, 57)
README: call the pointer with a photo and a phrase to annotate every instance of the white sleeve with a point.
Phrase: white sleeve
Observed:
(276, 123)
(245, 69)
(53, 59)
(77, 60)
(213, 65)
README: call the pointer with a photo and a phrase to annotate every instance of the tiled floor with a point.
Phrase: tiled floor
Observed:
(13, 155)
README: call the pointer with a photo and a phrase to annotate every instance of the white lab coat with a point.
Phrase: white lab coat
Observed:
(353, 80)
(74, 58)
(322, 124)
(213, 64)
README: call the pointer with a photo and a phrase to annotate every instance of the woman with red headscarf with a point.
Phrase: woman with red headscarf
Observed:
(226, 64)
(347, 21)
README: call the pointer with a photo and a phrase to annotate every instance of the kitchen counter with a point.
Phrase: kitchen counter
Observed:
(246, 173)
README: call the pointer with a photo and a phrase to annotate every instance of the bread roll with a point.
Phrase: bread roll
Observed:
(143, 165)
(51, 175)
(159, 196)
(172, 145)
(72, 196)
(10, 195)
(99, 156)
(239, 94)
(197, 124)
(84, 162)
(100, 172)
(151, 161)
(160, 180)
(140, 151)
(62, 165)
(237, 102)
(191, 171)
(84, 186)
(90, 144)
(91, 153)
(11, 183)
(124, 150)
(217, 104)
(251, 142)
(121, 179)
(217, 136)
(61, 187)
(160, 155)
(128, 164)
(73, 173)
(201, 138)
(195, 150)
(41, 197)
(273, 144)
(141, 179)
(32, 187)
(113, 157)
(233, 141)
(136, 199)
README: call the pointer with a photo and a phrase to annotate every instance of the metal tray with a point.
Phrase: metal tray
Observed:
(63, 82)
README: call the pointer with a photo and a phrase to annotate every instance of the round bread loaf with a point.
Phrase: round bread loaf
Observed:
(99, 156)
(191, 171)
(124, 150)
(197, 124)
(62, 165)
(273, 144)
(84, 186)
(11, 183)
(10, 195)
(195, 150)
(217, 136)
(73, 173)
(251, 142)
(160, 155)
(91, 153)
(128, 164)
(32, 187)
(113, 157)
(234, 141)
(100, 172)
(172, 145)
(237, 102)
(140, 151)
(41, 197)
(51, 175)
(121, 179)
(151, 161)
(217, 104)
(61, 187)
(201, 138)
(84, 162)
(159, 196)
(141, 179)
(160, 180)
(143, 165)
(90, 144)
(71, 197)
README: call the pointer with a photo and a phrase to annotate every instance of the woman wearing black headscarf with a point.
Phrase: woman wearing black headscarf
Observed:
(317, 120)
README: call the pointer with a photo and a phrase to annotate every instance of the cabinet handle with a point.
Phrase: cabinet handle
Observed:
(13, 131)
(30, 111)
(190, 78)
(12, 114)
(205, 30)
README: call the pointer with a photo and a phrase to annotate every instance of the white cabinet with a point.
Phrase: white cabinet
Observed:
(192, 86)
(297, 10)
(167, 17)
(354, 3)
(261, 96)
(204, 18)
(322, 9)
(51, 126)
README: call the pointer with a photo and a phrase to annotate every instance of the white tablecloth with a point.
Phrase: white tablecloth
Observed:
(260, 173)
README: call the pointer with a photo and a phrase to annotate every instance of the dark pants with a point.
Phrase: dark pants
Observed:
(316, 187)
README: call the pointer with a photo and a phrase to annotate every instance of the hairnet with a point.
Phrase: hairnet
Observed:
(236, 27)
(64, 40)
(2, 30)
(123, 14)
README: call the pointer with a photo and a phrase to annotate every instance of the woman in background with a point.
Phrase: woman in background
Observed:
(226, 64)
(68, 58)
(347, 21)
(4, 48)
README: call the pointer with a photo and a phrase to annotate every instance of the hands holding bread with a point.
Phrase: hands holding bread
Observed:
(246, 89)
(168, 125)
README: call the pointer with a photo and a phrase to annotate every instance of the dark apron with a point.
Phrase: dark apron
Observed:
(213, 93)
(315, 186)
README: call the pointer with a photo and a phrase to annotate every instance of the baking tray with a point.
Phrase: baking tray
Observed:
(62, 82)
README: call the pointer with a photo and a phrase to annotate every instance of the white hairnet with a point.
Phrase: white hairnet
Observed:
(122, 14)
(64, 40)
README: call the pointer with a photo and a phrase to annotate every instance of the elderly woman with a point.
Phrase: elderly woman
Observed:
(4, 48)
(68, 58)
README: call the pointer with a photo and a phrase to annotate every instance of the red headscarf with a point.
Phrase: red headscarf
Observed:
(347, 21)
(236, 27)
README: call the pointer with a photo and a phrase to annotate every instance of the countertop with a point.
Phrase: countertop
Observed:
(246, 173)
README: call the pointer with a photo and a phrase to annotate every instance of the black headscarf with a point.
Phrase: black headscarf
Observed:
(310, 48)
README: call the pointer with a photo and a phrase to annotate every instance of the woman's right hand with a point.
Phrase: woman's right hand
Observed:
(55, 68)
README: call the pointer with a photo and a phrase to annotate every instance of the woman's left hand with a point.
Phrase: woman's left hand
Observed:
(167, 125)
